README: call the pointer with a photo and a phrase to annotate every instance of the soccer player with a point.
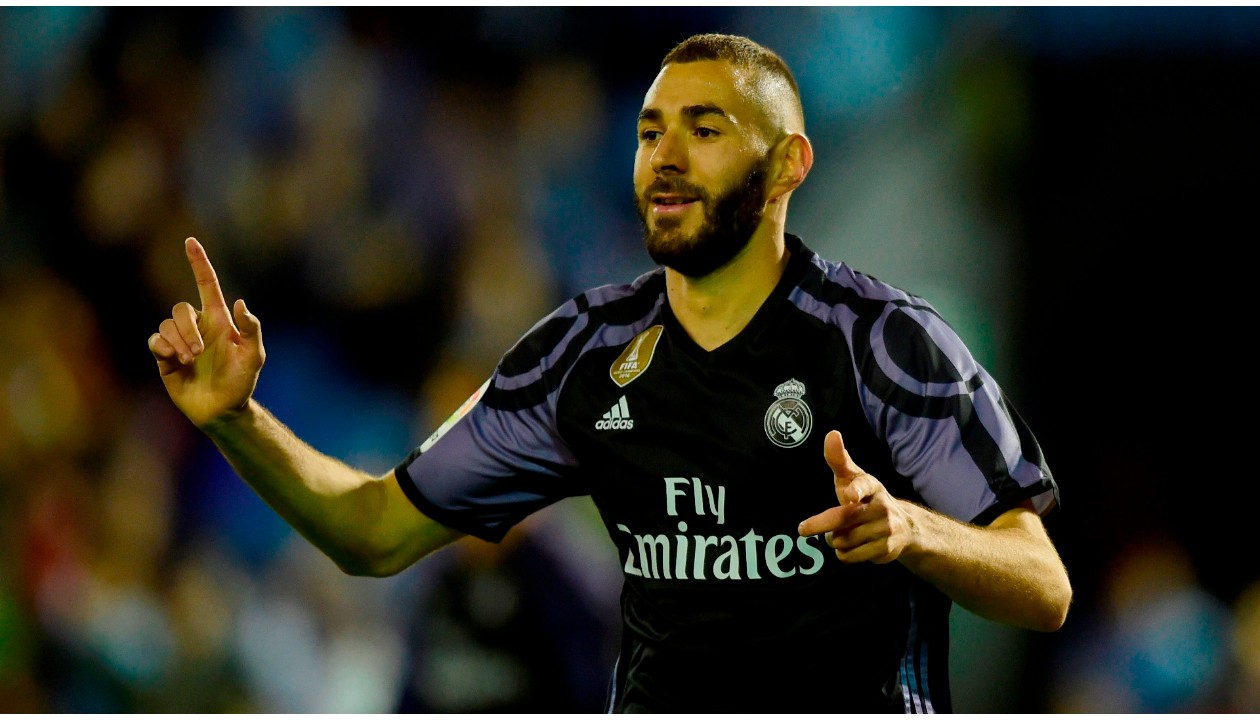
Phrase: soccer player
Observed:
(802, 467)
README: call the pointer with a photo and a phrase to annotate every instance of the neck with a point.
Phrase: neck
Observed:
(715, 308)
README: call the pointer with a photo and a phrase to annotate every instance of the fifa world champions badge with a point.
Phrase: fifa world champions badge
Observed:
(636, 357)
(789, 420)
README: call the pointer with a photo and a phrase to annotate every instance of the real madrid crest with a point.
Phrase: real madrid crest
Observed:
(788, 421)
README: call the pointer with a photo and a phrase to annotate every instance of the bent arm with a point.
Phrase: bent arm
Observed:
(209, 360)
(365, 524)
(1007, 571)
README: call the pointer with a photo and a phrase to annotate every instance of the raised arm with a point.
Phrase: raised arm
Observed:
(209, 361)
(1008, 571)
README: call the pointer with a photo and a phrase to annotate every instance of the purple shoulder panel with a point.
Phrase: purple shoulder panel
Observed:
(946, 420)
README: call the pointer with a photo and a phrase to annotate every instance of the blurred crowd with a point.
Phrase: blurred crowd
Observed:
(399, 194)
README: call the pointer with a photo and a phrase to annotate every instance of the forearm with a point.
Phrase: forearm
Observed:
(343, 511)
(1008, 571)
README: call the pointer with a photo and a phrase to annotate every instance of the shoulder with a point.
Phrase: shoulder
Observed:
(598, 317)
(881, 322)
(842, 296)
(838, 282)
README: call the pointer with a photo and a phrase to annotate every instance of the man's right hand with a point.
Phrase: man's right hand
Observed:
(208, 363)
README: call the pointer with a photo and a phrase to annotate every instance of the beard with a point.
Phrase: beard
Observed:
(731, 215)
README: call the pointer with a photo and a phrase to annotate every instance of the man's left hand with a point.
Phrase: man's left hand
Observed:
(869, 524)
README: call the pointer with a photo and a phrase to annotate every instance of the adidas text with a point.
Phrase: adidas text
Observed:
(618, 424)
(617, 417)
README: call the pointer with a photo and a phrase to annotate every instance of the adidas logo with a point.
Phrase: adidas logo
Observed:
(617, 417)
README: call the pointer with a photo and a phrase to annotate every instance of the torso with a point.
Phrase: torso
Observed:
(703, 463)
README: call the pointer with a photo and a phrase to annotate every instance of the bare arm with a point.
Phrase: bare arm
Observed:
(209, 361)
(364, 523)
(1007, 571)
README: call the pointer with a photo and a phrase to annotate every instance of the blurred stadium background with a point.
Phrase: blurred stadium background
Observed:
(401, 192)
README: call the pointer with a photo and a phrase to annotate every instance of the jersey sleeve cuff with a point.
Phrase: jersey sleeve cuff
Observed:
(1046, 486)
(439, 514)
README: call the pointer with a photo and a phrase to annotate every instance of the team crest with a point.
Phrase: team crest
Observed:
(636, 357)
(789, 420)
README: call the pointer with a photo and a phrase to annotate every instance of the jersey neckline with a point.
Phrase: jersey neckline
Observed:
(763, 319)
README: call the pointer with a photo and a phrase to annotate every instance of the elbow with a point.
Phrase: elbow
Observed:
(382, 554)
(1061, 610)
(379, 542)
(1054, 608)
(1052, 619)
(379, 539)
(369, 560)
(366, 568)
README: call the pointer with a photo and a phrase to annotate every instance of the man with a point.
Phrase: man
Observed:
(716, 410)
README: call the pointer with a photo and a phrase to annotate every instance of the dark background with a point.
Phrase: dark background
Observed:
(399, 193)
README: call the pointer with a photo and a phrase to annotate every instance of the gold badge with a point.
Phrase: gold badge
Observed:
(636, 357)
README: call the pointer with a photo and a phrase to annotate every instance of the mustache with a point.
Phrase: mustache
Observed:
(676, 186)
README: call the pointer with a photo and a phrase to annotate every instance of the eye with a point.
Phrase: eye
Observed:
(704, 132)
(649, 135)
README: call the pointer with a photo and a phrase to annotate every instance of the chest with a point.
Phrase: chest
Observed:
(715, 442)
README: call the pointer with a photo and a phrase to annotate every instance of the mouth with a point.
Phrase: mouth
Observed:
(672, 203)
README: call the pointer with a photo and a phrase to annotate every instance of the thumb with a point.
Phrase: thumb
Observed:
(839, 460)
(249, 325)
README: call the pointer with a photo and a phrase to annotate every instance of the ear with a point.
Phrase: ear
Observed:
(794, 156)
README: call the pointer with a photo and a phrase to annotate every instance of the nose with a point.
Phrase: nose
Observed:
(670, 155)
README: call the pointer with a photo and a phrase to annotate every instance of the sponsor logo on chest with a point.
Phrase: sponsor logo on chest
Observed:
(712, 549)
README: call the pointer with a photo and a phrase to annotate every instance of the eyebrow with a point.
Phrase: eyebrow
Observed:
(690, 112)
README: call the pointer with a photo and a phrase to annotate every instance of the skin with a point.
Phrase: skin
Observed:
(209, 360)
(702, 123)
(1007, 571)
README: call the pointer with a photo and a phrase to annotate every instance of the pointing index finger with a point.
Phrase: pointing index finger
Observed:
(207, 281)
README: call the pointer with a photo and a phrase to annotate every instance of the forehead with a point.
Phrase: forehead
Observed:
(705, 82)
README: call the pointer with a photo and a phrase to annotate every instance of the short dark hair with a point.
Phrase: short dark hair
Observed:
(775, 86)
(735, 49)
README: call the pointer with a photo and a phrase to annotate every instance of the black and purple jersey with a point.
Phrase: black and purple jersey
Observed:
(703, 463)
